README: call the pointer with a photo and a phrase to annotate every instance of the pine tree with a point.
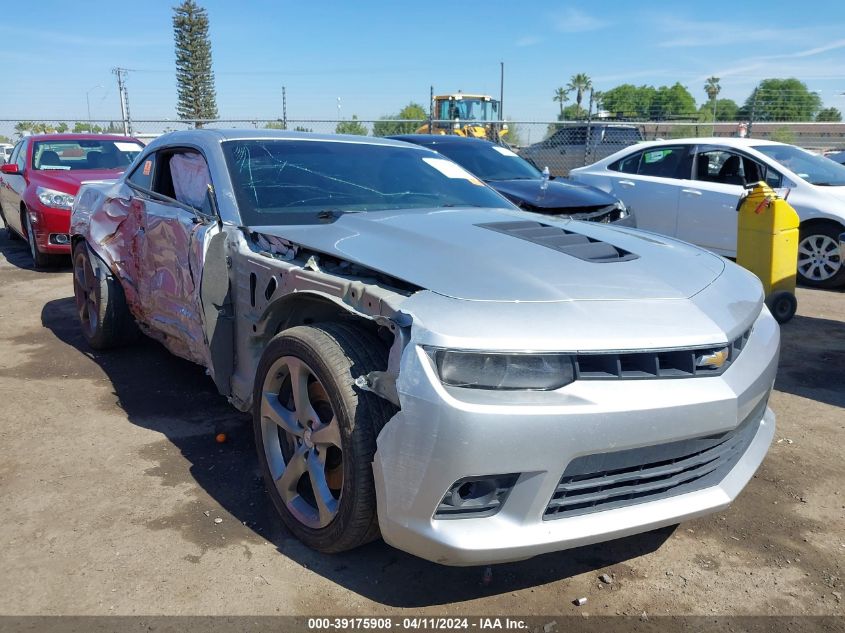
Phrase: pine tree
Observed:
(194, 77)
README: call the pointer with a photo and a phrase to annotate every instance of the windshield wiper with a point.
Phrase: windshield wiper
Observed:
(333, 214)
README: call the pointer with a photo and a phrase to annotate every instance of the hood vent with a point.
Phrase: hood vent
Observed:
(558, 239)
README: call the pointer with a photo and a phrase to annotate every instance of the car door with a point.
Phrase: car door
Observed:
(4, 186)
(12, 187)
(707, 209)
(648, 182)
(174, 218)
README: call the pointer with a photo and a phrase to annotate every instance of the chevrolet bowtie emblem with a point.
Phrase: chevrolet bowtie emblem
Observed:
(713, 360)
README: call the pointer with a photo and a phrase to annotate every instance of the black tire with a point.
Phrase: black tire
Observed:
(782, 305)
(101, 305)
(336, 354)
(820, 233)
(40, 260)
(10, 233)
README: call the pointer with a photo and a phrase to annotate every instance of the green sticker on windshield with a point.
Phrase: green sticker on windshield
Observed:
(657, 155)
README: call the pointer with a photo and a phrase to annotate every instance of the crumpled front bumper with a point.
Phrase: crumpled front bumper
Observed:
(441, 436)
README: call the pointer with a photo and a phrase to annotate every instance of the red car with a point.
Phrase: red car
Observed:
(38, 184)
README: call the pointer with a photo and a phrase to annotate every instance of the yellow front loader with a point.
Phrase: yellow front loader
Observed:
(475, 116)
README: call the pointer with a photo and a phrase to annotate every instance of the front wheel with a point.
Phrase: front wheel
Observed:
(819, 260)
(315, 432)
(39, 259)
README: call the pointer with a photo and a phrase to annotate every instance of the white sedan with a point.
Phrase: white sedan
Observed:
(689, 189)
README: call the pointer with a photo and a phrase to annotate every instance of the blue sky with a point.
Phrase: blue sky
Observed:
(377, 56)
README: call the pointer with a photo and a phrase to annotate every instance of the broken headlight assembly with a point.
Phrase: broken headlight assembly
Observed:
(502, 370)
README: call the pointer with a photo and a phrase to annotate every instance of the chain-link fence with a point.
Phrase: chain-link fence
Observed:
(561, 146)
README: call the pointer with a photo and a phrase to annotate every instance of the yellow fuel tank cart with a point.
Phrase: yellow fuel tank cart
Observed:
(767, 245)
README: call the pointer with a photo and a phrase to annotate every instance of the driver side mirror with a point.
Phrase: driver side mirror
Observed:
(11, 169)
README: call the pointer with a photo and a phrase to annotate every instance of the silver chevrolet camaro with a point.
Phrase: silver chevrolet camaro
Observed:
(424, 361)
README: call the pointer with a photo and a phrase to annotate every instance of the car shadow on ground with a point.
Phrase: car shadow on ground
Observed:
(812, 359)
(16, 252)
(174, 397)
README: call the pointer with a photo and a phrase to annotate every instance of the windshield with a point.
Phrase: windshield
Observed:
(488, 161)
(292, 181)
(84, 154)
(469, 109)
(815, 169)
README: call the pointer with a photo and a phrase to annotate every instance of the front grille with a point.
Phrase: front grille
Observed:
(675, 363)
(604, 481)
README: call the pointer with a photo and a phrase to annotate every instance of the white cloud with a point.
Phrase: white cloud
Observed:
(692, 33)
(773, 65)
(572, 20)
(528, 40)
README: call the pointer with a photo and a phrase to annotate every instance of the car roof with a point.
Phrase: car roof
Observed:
(81, 137)
(228, 134)
(438, 139)
(727, 141)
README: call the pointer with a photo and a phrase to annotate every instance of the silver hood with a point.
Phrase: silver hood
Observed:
(447, 252)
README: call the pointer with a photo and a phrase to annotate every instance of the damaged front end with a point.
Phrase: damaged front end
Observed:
(279, 284)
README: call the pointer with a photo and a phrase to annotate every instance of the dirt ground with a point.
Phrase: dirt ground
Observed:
(111, 485)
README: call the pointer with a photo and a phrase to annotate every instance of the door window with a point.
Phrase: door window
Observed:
(731, 168)
(14, 157)
(576, 135)
(629, 164)
(142, 177)
(663, 162)
(178, 175)
(20, 160)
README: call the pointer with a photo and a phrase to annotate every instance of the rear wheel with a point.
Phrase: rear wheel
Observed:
(819, 260)
(41, 260)
(100, 303)
(10, 233)
(316, 433)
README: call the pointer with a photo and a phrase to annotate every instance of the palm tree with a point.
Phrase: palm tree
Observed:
(561, 96)
(580, 83)
(597, 97)
(712, 88)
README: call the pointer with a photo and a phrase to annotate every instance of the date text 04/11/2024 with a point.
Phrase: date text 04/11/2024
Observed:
(416, 623)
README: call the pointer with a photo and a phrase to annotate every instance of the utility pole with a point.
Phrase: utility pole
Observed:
(753, 112)
(284, 109)
(501, 91)
(431, 110)
(124, 99)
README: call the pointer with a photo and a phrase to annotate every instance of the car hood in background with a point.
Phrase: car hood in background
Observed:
(559, 194)
(447, 252)
(68, 181)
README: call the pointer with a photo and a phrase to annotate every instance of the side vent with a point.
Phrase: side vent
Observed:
(558, 239)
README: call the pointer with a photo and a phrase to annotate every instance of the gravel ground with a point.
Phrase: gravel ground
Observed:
(112, 483)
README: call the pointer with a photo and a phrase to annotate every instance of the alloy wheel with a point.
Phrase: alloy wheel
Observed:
(86, 290)
(30, 237)
(818, 257)
(302, 442)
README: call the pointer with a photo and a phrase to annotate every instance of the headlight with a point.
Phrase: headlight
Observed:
(496, 370)
(54, 199)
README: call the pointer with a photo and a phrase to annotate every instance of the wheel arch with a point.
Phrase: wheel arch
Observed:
(306, 308)
(817, 220)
